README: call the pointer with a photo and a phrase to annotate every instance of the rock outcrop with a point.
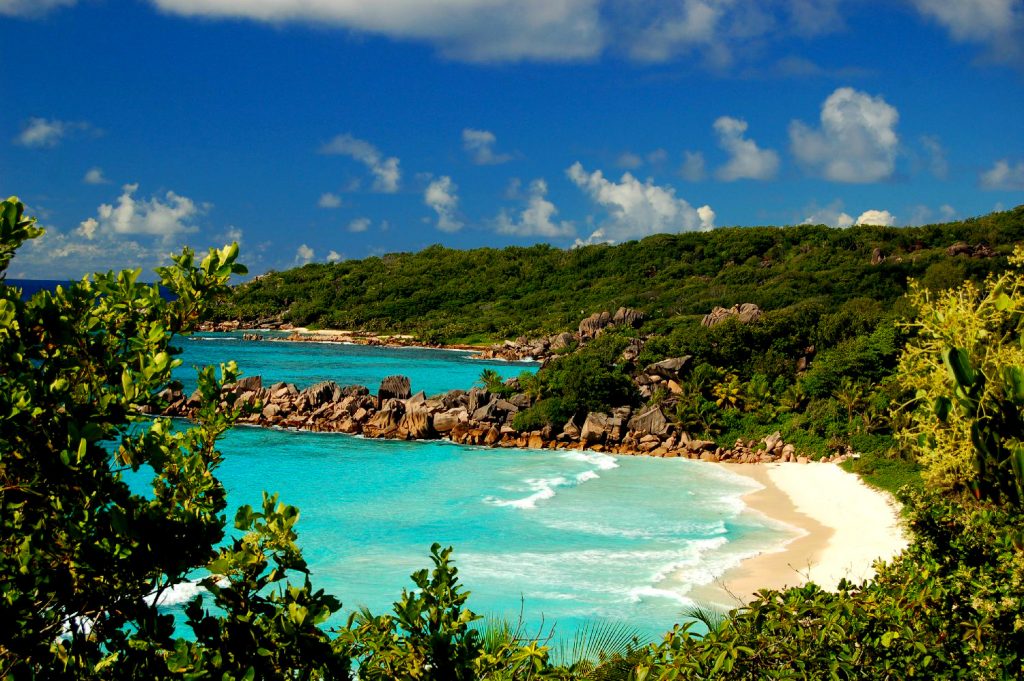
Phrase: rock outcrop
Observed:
(394, 387)
(477, 417)
(745, 313)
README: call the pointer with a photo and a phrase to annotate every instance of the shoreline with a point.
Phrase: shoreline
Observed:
(301, 334)
(842, 526)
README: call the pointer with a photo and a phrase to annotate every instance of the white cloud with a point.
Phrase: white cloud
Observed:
(536, 218)
(746, 159)
(329, 200)
(1004, 175)
(479, 144)
(155, 217)
(386, 173)
(937, 163)
(693, 168)
(596, 237)
(676, 28)
(471, 30)
(304, 255)
(831, 215)
(359, 225)
(31, 8)
(95, 176)
(876, 217)
(43, 133)
(61, 255)
(334, 256)
(857, 141)
(997, 25)
(637, 209)
(717, 32)
(441, 195)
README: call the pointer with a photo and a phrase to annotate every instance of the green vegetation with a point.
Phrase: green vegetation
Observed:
(446, 295)
(84, 560)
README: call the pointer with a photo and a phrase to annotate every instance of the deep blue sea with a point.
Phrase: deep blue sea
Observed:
(566, 536)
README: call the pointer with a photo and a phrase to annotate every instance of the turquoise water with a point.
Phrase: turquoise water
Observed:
(432, 371)
(567, 536)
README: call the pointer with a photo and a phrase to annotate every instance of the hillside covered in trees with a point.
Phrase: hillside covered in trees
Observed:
(446, 295)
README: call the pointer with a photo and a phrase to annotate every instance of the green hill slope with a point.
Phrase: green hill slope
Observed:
(448, 295)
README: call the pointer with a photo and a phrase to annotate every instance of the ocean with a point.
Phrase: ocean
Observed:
(560, 538)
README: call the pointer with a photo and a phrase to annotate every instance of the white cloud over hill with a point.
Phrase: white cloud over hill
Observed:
(442, 196)
(536, 218)
(746, 159)
(1004, 175)
(637, 209)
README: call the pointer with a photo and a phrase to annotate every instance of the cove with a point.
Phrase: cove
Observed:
(565, 536)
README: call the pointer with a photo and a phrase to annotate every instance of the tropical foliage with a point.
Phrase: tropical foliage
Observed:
(85, 560)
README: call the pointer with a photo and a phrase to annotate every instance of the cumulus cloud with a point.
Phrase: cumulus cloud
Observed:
(304, 255)
(471, 30)
(1004, 175)
(479, 144)
(95, 176)
(693, 168)
(386, 173)
(329, 200)
(856, 142)
(637, 209)
(746, 159)
(441, 195)
(997, 25)
(359, 225)
(31, 8)
(166, 217)
(536, 218)
(876, 217)
(334, 256)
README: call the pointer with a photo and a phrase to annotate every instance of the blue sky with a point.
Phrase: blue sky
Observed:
(318, 130)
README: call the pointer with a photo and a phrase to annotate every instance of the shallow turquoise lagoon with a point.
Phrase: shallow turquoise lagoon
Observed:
(566, 536)
(432, 371)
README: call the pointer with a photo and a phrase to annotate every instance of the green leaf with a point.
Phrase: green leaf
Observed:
(959, 366)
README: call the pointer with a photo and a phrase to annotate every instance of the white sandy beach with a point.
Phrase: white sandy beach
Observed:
(846, 526)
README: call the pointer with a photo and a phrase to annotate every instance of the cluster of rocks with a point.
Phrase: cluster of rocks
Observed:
(745, 313)
(235, 325)
(975, 251)
(475, 417)
(543, 348)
